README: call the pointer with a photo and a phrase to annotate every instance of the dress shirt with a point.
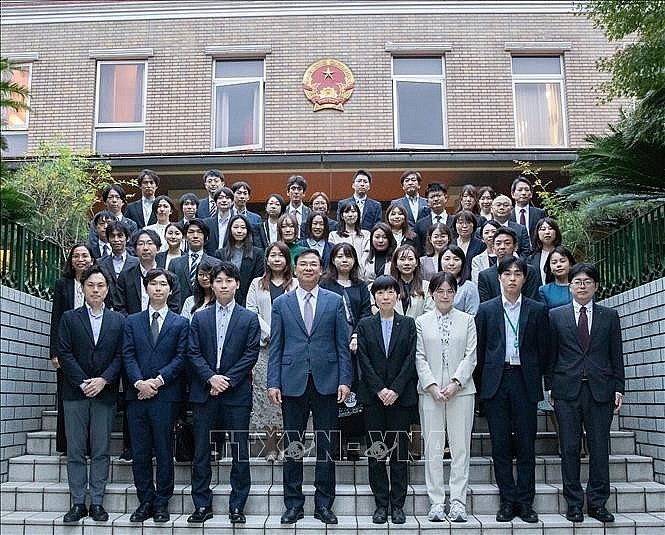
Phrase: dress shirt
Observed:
(360, 202)
(162, 315)
(223, 315)
(316, 244)
(95, 322)
(199, 256)
(104, 249)
(272, 232)
(443, 218)
(518, 215)
(119, 262)
(145, 300)
(414, 204)
(296, 212)
(387, 329)
(146, 204)
(589, 312)
(512, 341)
(300, 294)
(222, 223)
(78, 294)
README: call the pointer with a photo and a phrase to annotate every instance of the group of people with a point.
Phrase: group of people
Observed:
(415, 322)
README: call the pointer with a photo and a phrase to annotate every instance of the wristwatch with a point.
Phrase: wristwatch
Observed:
(456, 380)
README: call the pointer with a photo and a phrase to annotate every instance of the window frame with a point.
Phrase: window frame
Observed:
(120, 127)
(422, 78)
(534, 79)
(22, 131)
(237, 80)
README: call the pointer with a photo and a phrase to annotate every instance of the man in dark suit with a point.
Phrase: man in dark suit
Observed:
(184, 267)
(415, 205)
(387, 355)
(370, 210)
(100, 246)
(154, 350)
(524, 212)
(189, 204)
(218, 224)
(505, 244)
(513, 345)
(213, 179)
(296, 186)
(141, 211)
(586, 377)
(114, 198)
(437, 198)
(90, 353)
(501, 208)
(309, 367)
(223, 348)
(241, 194)
(117, 234)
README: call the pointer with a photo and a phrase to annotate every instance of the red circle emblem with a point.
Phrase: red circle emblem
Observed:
(328, 83)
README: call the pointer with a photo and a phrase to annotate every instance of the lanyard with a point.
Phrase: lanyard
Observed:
(513, 328)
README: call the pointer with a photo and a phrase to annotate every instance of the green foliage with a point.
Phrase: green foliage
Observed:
(639, 66)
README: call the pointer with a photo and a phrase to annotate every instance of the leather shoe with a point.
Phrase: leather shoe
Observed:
(236, 516)
(505, 513)
(98, 513)
(397, 515)
(200, 515)
(325, 515)
(142, 514)
(574, 514)
(380, 516)
(76, 513)
(526, 513)
(292, 515)
(601, 514)
(126, 456)
(161, 514)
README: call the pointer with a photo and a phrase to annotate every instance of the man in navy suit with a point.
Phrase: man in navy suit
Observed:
(217, 224)
(114, 198)
(141, 211)
(117, 234)
(524, 212)
(241, 194)
(501, 208)
(309, 367)
(513, 345)
(223, 348)
(154, 352)
(296, 186)
(415, 205)
(370, 210)
(90, 353)
(587, 381)
(437, 198)
(213, 179)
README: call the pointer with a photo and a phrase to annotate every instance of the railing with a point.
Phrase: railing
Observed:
(633, 255)
(27, 262)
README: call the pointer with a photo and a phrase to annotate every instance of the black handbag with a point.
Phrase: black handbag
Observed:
(184, 442)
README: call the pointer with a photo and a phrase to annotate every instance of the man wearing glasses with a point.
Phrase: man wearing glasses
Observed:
(586, 378)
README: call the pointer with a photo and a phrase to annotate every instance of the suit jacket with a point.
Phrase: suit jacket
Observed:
(161, 256)
(422, 226)
(371, 212)
(180, 268)
(603, 361)
(358, 297)
(250, 268)
(461, 351)
(239, 354)
(306, 212)
(134, 211)
(293, 352)
(212, 243)
(422, 211)
(534, 347)
(81, 358)
(393, 368)
(325, 257)
(523, 240)
(489, 286)
(144, 359)
(63, 300)
(535, 215)
(106, 264)
(93, 239)
(203, 208)
(127, 292)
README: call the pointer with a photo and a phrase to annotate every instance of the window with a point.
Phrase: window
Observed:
(238, 104)
(538, 100)
(15, 122)
(120, 114)
(419, 102)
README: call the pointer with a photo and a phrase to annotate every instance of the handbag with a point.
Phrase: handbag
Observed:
(184, 442)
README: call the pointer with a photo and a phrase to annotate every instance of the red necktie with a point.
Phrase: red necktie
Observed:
(583, 329)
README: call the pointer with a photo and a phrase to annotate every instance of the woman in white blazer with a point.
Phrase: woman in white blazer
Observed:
(445, 360)
(482, 261)
(414, 299)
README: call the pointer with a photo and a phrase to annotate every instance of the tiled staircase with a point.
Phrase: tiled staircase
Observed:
(36, 495)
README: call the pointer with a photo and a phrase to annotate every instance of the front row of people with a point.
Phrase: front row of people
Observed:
(435, 363)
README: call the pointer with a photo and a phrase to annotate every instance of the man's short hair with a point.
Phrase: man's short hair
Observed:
(150, 233)
(117, 226)
(433, 187)
(363, 172)
(519, 179)
(587, 269)
(298, 180)
(228, 268)
(509, 261)
(188, 197)
(104, 214)
(408, 173)
(154, 273)
(385, 282)
(147, 173)
(241, 184)
(307, 252)
(213, 172)
(91, 270)
(507, 231)
(114, 187)
(197, 222)
(437, 281)
(222, 190)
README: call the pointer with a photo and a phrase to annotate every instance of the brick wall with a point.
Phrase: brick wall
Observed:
(27, 380)
(642, 313)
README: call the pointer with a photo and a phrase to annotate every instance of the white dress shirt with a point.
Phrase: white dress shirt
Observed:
(512, 340)
(589, 312)
(300, 294)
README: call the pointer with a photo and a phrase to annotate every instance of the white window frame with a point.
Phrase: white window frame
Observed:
(120, 127)
(221, 82)
(426, 78)
(7, 129)
(559, 79)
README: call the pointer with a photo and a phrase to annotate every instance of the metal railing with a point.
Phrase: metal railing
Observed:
(28, 263)
(633, 255)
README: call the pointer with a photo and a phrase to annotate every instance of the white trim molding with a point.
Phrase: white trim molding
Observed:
(21, 57)
(238, 52)
(417, 49)
(103, 54)
(536, 47)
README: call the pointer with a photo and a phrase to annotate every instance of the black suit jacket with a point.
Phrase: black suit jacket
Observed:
(82, 359)
(489, 286)
(180, 268)
(394, 369)
(602, 362)
(250, 268)
(523, 241)
(211, 244)
(203, 208)
(535, 215)
(371, 212)
(134, 211)
(106, 264)
(127, 293)
(491, 350)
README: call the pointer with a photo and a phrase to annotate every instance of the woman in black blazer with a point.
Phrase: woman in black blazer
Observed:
(464, 231)
(67, 295)
(240, 250)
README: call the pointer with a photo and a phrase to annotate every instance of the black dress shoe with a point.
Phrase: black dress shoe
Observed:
(325, 515)
(601, 514)
(161, 514)
(526, 513)
(380, 516)
(98, 514)
(292, 515)
(574, 514)
(397, 515)
(142, 513)
(505, 513)
(236, 516)
(76, 513)
(126, 456)
(200, 515)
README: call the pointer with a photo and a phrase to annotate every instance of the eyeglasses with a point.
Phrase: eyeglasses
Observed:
(444, 292)
(580, 283)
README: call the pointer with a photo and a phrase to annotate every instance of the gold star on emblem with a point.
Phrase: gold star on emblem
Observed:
(327, 73)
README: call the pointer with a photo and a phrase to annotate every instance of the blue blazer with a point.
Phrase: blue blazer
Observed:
(326, 350)
(371, 212)
(145, 360)
(239, 354)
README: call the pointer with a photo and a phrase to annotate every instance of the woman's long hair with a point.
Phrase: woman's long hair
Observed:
(417, 281)
(331, 273)
(264, 283)
(247, 244)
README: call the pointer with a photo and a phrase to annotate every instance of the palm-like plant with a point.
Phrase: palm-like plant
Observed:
(12, 95)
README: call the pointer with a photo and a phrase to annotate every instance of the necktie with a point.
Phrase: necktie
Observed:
(361, 204)
(195, 265)
(296, 214)
(107, 249)
(438, 219)
(213, 208)
(308, 313)
(522, 217)
(583, 329)
(492, 260)
(154, 327)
